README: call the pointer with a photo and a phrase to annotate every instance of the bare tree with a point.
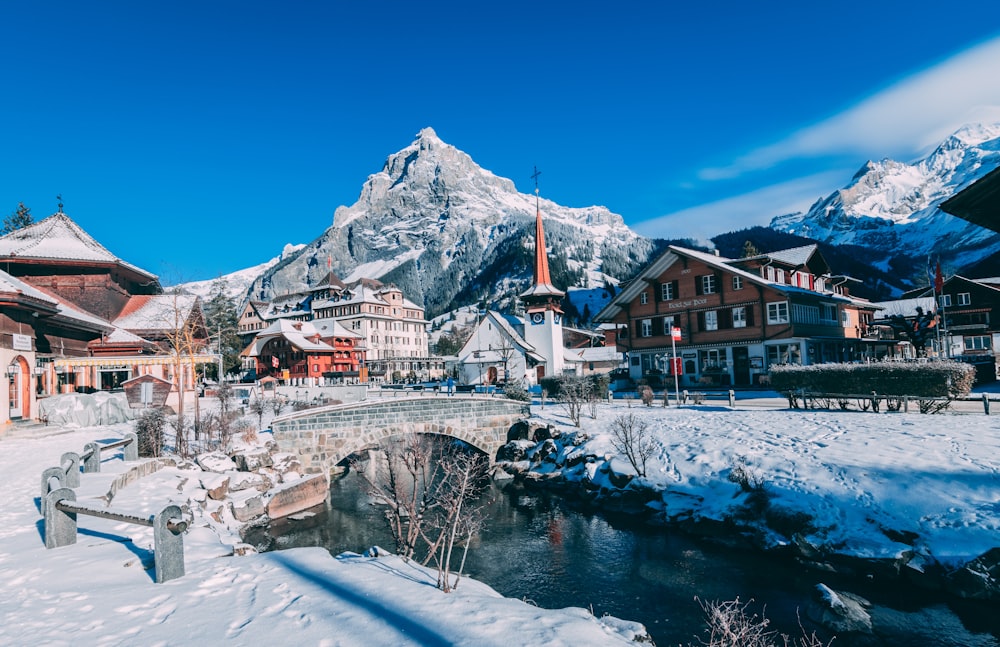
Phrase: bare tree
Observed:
(429, 496)
(630, 436)
(573, 395)
(259, 406)
(459, 518)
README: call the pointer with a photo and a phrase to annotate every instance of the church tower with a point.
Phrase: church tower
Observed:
(543, 316)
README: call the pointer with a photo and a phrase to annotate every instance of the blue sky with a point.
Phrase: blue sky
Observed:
(197, 138)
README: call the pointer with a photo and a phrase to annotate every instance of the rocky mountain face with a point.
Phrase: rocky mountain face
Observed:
(450, 233)
(892, 209)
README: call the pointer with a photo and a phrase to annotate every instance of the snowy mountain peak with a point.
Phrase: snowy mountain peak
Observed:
(432, 221)
(893, 206)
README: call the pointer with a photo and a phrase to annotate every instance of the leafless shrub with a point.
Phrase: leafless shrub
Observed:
(731, 624)
(246, 430)
(746, 476)
(149, 431)
(646, 395)
(630, 436)
(258, 406)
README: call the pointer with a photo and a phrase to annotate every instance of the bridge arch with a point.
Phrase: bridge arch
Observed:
(324, 437)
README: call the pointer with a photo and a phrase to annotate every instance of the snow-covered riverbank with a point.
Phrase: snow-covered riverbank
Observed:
(920, 489)
(99, 591)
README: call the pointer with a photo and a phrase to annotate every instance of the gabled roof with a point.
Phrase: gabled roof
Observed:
(59, 239)
(299, 334)
(673, 253)
(156, 312)
(57, 310)
(332, 328)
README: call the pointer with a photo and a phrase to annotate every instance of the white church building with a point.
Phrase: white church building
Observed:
(506, 348)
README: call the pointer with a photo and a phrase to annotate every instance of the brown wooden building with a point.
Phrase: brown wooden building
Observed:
(736, 317)
(73, 316)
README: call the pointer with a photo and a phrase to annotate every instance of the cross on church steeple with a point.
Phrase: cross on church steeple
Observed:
(535, 178)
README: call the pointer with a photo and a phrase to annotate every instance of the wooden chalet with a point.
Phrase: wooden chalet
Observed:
(737, 317)
(67, 309)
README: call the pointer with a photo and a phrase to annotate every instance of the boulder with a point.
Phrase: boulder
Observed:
(251, 460)
(247, 506)
(298, 495)
(215, 462)
(217, 485)
(979, 579)
(239, 481)
(840, 611)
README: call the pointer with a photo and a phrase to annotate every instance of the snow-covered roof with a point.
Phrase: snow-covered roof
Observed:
(333, 328)
(598, 354)
(66, 313)
(156, 311)
(302, 335)
(795, 256)
(673, 252)
(58, 238)
(906, 307)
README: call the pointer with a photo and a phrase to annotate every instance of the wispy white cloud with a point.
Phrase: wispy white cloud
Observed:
(901, 120)
(746, 210)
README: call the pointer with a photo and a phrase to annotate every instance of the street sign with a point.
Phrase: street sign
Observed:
(675, 333)
(676, 366)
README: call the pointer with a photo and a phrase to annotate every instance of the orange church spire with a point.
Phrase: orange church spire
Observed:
(542, 284)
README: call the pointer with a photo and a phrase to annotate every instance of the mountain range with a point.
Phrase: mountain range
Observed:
(450, 233)
(891, 209)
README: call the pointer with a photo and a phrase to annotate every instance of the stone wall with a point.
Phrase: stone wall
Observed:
(324, 437)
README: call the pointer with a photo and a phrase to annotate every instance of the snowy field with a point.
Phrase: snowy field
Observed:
(857, 474)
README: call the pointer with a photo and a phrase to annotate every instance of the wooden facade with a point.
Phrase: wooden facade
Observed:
(736, 317)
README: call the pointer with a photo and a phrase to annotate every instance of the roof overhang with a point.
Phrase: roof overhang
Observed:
(978, 203)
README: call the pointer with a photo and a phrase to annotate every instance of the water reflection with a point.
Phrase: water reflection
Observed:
(536, 547)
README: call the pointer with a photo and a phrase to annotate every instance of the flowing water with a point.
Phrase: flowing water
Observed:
(539, 548)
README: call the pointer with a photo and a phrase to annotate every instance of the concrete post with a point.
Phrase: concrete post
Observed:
(168, 546)
(130, 452)
(732, 399)
(48, 475)
(70, 462)
(684, 396)
(60, 527)
(986, 404)
(92, 458)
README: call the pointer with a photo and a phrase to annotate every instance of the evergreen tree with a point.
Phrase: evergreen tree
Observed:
(222, 321)
(18, 220)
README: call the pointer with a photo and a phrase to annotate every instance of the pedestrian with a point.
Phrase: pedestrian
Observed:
(451, 386)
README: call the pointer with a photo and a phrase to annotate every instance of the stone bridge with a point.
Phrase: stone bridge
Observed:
(324, 437)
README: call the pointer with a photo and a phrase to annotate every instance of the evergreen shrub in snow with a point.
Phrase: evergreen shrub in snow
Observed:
(944, 379)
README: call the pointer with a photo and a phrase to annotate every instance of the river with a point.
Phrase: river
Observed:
(539, 548)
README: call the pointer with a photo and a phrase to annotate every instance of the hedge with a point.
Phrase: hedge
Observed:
(936, 379)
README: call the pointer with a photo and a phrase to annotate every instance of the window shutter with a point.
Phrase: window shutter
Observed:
(749, 315)
(697, 285)
(675, 286)
(726, 318)
(701, 321)
(657, 292)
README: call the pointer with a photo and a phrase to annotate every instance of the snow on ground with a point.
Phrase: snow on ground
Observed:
(855, 473)
(99, 591)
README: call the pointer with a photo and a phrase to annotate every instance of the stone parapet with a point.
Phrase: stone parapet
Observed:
(324, 437)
